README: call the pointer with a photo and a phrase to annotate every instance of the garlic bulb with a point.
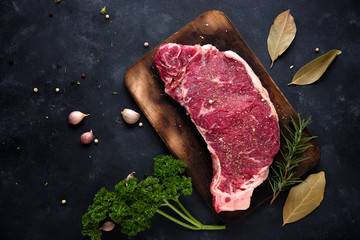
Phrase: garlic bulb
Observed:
(87, 137)
(130, 116)
(108, 226)
(76, 117)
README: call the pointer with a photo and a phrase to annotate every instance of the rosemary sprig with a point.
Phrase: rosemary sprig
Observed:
(283, 172)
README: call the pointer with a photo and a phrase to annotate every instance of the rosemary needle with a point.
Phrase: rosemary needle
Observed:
(295, 146)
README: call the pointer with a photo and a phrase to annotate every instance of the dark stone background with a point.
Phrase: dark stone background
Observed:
(35, 150)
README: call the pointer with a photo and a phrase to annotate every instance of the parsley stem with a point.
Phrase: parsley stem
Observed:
(213, 227)
(200, 227)
(177, 221)
(185, 211)
(195, 223)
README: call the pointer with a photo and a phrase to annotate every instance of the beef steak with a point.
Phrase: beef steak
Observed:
(231, 110)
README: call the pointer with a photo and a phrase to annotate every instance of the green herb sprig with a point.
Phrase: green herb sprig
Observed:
(295, 145)
(132, 205)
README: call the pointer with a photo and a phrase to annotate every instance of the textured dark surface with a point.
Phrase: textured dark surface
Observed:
(36, 150)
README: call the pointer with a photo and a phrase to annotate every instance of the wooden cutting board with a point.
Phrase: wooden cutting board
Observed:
(175, 127)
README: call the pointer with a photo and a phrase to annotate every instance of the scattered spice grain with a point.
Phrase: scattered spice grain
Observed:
(103, 10)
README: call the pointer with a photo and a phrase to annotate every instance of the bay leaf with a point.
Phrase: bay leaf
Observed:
(281, 34)
(312, 71)
(304, 198)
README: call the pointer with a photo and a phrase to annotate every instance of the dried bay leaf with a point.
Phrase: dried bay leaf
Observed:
(312, 71)
(304, 198)
(281, 34)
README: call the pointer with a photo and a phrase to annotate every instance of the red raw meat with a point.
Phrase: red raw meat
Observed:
(232, 111)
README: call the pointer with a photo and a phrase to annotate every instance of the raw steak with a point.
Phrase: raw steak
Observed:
(231, 110)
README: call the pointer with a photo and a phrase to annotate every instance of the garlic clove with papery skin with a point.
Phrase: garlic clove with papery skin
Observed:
(107, 226)
(131, 175)
(130, 116)
(75, 117)
(87, 137)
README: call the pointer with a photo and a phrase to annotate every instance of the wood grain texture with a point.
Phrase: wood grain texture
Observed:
(175, 127)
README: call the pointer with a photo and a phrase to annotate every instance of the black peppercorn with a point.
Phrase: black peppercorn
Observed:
(83, 75)
(59, 65)
(51, 14)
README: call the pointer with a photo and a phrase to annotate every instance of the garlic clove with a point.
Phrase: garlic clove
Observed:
(107, 226)
(130, 116)
(76, 117)
(87, 137)
(131, 175)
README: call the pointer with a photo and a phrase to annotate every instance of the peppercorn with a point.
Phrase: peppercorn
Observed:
(58, 65)
(63, 202)
(11, 61)
(36, 90)
(51, 14)
(107, 16)
(57, 90)
(83, 75)
(72, 81)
